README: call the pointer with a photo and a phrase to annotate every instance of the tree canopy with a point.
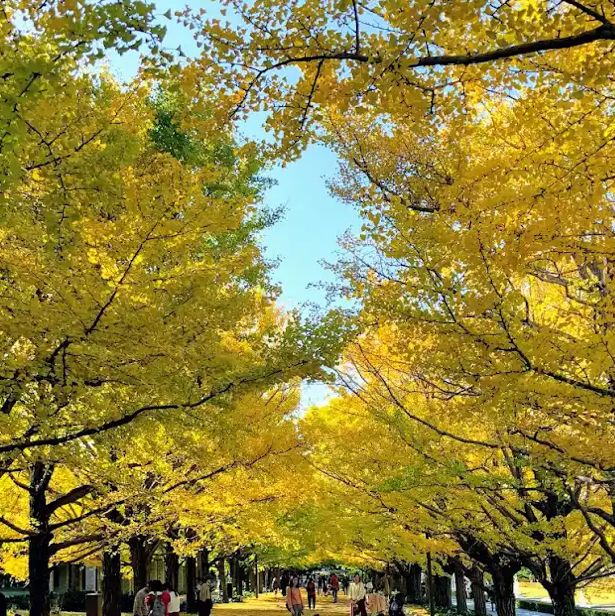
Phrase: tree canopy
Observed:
(150, 387)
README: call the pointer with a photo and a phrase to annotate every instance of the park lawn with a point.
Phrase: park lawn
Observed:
(532, 590)
(597, 593)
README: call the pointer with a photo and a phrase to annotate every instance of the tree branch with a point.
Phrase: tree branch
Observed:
(70, 497)
(129, 417)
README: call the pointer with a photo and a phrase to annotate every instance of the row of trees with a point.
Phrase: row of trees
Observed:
(148, 379)
(475, 413)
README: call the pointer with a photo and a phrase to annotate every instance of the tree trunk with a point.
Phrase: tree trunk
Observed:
(204, 562)
(416, 588)
(460, 589)
(222, 575)
(38, 574)
(562, 598)
(111, 583)
(430, 586)
(191, 585)
(140, 556)
(442, 591)
(503, 590)
(39, 543)
(561, 587)
(171, 567)
(238, 576)
(478, 591)
(412, 578)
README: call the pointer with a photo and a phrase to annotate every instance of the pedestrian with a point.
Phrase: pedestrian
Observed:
(172, 599)
(157, 600)
(334, 584)
(139, 607)
(345, 584)
(386, 584)
(396, 606)
(294, 600)
(311, 593)
(205, 603)
(284, 583)
(275, 586)
(357, 594)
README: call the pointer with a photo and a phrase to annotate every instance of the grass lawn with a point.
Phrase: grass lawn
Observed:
(598, 593)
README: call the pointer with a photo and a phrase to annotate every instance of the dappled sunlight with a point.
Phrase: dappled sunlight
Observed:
(268, 605)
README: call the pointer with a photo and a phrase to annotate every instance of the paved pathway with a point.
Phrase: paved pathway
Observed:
(268, 605)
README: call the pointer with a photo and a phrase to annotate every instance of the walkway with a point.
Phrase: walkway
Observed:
(268, 605)
(519, 612)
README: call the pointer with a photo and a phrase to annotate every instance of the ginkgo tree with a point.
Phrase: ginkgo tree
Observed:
(43, 44)
(422, 60)
(133, 285)
(483, 275)
(500, 309)
(489, 509)
(195, 483)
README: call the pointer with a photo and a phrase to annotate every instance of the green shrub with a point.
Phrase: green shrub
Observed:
(72, 601)
(18, 602)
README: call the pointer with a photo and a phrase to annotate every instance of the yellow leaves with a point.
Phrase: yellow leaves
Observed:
(13, 563)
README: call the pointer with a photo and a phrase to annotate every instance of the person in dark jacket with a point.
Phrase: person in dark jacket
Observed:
(311, 593)
(284, 582)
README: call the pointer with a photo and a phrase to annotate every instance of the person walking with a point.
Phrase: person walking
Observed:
(334, 584)
(205, 604)
(157, 600)
(345, 584)
(172, 599)
(275, 586)
(357, 594)
(311, 593)
(284, 580)
(139, 607)
(294, 600)
(386, 584)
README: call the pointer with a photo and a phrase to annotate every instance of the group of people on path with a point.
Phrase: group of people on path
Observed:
(314, 586)
(291, 589)
(158, 599)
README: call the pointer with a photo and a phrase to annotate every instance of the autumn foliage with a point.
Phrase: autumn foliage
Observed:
(150, 384)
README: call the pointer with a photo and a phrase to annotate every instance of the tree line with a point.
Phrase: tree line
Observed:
(149, 381)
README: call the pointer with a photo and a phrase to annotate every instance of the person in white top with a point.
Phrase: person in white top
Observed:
(174, 605)
(205, 601)
(357, 594)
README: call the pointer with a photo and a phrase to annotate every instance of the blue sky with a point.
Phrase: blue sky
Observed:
(313, 219)
(307, 234)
